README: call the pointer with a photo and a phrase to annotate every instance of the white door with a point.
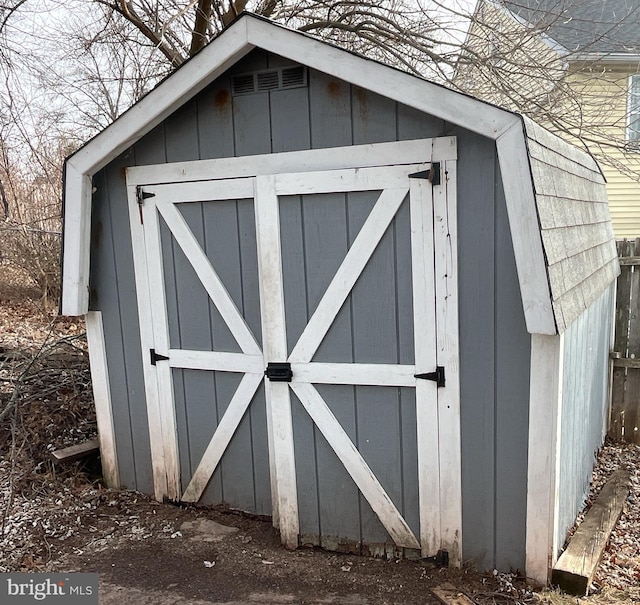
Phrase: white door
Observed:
(287, 368)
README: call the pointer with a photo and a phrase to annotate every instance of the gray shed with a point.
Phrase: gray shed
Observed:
(322, 289)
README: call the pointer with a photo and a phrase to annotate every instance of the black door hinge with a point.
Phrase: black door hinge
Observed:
(141, 196)
(156, 357)
(441, 559)
(279, 372)
(432, 175)
(437, 376)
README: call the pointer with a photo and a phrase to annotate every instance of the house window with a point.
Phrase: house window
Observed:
(633, 111)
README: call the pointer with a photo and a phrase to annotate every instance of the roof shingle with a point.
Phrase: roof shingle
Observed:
(585, 26)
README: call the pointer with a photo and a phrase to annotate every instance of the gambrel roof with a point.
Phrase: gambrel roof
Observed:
(584, 26)
(555, 194)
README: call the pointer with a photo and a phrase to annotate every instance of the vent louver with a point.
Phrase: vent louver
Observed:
(269, 79)
(293, 77)
(243, 85)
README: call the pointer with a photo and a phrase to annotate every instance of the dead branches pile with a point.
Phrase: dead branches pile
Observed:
(45, 396)
(45, 404)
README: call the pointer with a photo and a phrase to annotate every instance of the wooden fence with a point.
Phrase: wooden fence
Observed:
(625, 392)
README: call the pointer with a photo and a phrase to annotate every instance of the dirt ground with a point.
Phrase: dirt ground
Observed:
(63, 519)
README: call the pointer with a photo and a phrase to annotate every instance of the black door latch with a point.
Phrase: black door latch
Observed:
(279, 371)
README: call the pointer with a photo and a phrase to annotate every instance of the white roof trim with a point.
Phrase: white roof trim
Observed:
(630, 58)
(141, 118)
(457, 108)
(250, 32)
(525, 229)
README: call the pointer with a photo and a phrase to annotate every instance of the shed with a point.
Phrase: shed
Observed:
(322, 289)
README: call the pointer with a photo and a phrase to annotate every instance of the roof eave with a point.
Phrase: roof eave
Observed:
(604, 57)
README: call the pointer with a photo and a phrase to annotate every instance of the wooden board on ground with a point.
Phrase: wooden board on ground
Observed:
(450, 595)
(576, 567)
(75, 452)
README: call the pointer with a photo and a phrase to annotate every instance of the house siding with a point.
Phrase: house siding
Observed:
(588, 102)
(494, 387)
(602, 92)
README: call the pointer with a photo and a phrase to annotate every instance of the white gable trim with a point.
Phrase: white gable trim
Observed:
(457, 108)
(525, 231)
(141, 118)
(250, 32)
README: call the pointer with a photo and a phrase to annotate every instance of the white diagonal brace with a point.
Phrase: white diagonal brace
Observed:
(356, 466)
(346, 276)
(209, 278)
(222, 436)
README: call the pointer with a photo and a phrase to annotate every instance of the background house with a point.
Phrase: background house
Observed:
(573, 66)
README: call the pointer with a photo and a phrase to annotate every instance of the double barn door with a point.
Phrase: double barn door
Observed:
(299, 337)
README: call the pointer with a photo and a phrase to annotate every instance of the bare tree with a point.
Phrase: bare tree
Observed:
(397, 31)
(69, 68)
(565, 63)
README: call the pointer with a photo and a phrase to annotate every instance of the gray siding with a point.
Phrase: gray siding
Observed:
(494, 366)
(585, 395)
(494, 345)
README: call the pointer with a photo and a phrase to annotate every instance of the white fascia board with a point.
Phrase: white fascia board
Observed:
(617, 58)
(525, 231)
(249, 32)
(464, 111)
(162, 101)
(141, 118)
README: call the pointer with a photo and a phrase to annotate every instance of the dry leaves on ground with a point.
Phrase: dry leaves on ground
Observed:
(51, 515)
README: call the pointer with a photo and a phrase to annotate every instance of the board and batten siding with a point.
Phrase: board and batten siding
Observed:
(494, 344)
(585, 393)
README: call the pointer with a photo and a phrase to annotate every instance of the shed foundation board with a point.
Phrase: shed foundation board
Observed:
(578, 564)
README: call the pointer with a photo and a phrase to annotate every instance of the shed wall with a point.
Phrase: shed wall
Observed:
(494, 344)
(585, 395)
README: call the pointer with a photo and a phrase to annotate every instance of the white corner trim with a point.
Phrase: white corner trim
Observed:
(525, 231)
(102, 398)
(545, 408)
(77, 233)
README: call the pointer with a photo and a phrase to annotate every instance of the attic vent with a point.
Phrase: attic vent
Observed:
(243, 85)
(293, 77)
(270, 79)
